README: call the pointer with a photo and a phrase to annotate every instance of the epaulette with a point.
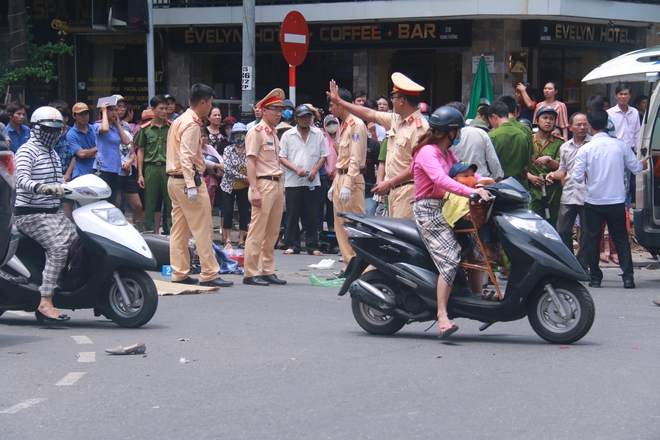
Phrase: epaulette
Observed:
(197, 121)
(147, 124)
(419, 123)
(352, 122)
(258, 128)
(168, 122)
(267, 130)
(410, 120)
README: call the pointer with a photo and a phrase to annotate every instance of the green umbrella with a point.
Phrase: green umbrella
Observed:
(482, 89)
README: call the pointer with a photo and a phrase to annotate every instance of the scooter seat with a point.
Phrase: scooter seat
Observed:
(403, 229)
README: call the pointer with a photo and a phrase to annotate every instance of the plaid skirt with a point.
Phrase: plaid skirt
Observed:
(439, 237)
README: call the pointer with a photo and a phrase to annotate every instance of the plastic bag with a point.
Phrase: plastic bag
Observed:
(227, 265)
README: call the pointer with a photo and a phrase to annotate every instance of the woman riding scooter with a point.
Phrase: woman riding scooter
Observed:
(38, 190)
(432, 160)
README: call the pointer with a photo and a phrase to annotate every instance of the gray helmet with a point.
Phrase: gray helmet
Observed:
(446, 118)
(238, 127)
(302, 110)
(546, 109)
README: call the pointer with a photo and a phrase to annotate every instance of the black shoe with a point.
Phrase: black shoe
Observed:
(272, 279)
(41, 317)
(189, 280)
(218, 282)
(337, 275)
(629, 284)
(594, 283)
(255, 281)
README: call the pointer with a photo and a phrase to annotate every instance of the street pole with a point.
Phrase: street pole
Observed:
(248, 83)
(151, 70)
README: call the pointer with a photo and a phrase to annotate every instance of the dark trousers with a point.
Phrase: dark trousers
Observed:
(565, 221)
(615, 217)
(241, 198)
(300, 200)
(326, 209)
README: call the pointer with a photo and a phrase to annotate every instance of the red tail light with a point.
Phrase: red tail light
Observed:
(7, 162)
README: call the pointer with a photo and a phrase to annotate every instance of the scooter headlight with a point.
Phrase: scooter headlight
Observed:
(356, 233)
(111, 215)
(534, 226)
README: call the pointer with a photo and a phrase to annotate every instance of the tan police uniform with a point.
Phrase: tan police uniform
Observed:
(399, 148)
(351, 147)
(184, 151)
(261, 142)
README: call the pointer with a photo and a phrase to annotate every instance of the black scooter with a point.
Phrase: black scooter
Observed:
(544, 281)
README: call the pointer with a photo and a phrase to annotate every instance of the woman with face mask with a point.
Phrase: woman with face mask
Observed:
(234, 185)
(330, 124)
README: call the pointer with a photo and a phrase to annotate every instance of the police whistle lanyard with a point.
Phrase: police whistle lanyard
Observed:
(536, 145)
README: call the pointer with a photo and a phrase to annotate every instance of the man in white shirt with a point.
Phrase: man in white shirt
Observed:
(600, 163)
(302, 154)
(573, 193)
(626, 122)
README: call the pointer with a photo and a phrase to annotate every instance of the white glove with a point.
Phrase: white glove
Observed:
(56, 191)
(192, 195)
(332, 188)
(345, 194)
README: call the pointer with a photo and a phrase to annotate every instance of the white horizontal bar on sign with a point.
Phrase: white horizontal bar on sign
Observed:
(295, 38)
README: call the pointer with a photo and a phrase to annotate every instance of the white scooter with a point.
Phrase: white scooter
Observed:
(108, 277)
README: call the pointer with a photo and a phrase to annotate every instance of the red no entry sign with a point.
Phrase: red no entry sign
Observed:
(294, 38)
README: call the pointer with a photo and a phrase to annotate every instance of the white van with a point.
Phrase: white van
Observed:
(641, 65)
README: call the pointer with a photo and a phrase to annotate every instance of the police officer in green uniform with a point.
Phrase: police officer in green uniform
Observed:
(152, 152)
(545, 159)
(511, 144)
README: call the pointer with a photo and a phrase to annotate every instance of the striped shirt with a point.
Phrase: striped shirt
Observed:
(36, 165)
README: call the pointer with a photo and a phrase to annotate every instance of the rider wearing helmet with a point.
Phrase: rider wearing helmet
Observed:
(545, 159)
(38, 190)
(430, 167)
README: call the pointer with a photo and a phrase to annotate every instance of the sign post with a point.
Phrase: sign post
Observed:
(295, 42)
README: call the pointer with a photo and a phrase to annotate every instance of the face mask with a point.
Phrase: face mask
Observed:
(331, 128)
(48, 140)
(457, 141)
(287, 114)
(238, 139)
(426, 117)
(470, 181)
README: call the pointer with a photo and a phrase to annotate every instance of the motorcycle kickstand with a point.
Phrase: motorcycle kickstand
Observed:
(483, 327)
(122, 289)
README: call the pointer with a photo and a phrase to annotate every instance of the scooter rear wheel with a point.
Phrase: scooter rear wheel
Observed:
(144, 299)
(372, 320)
(548, 323)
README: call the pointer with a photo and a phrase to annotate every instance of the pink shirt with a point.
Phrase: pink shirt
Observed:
(430, 169)
(331, 159)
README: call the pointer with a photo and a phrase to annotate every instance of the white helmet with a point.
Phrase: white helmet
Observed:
(47, 117)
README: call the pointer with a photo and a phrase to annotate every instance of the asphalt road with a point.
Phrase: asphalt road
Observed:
(290, 362)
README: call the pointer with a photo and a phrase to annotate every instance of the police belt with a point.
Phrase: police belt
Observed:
(340, 171)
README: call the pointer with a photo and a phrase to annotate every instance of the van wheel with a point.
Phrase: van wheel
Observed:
(372, 320)
(142, 293)
(548, 323)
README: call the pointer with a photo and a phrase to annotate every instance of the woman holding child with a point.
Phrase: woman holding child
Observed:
(430, 167)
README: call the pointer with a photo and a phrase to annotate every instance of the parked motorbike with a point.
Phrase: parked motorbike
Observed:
(544, 280)
(110, 278)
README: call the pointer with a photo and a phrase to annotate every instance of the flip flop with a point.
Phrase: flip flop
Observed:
(317, 253)
(445, 332)
(291, 252)
(490, 295)
(614, 259)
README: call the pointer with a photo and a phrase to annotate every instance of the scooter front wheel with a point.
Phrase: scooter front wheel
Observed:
(547, 321)
(143, 296)
(370, 319)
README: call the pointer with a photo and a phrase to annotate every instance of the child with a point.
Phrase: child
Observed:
(214, 164)
(456, 209)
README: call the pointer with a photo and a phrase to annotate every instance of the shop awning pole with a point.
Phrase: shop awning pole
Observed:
(151, 70)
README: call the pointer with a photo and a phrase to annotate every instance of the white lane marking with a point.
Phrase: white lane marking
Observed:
(295, 38)
(23, 405)
(21, 313)
(82, 340)
(87, 356)
(70, 379)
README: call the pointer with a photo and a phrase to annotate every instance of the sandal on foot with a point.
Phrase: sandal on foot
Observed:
(603, 258)
(290, 252)
(241, 245)
(445, 332)
(614, 258)
(490, 295)
(317, 253)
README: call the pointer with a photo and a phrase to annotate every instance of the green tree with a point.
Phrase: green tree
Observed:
(27, 60)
